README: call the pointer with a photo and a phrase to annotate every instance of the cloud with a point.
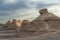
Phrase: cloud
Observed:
(25, 13)
(10, 1)
(42, 3)
(29, 14)
(55, 10)
(25, 9)
(45, 1)
(12, 6)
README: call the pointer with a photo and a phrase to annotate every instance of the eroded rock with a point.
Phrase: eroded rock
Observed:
(43, 22)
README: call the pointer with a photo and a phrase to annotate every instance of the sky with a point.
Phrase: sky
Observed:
(26, 9)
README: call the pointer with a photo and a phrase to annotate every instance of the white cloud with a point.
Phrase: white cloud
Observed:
(27, 13)
(50, 1)
(55, 10)
(33, 0)
(45, 1)
(34, 3)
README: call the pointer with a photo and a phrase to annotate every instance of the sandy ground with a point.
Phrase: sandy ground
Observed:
(11, 35)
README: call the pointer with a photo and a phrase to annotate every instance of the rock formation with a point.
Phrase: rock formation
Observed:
(7, 24)
(1, 25)
(13, 24)
(24, 23)
(43, 22)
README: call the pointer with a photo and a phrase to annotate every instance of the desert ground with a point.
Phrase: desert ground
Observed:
(12, 35)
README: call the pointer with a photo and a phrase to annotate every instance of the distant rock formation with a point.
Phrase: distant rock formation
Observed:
(7, 24)
(44, 22)
(24, 23)
(13, 24)
(1, 25)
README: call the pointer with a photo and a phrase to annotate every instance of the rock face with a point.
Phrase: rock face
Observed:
(24, 23)
(46, 21)
(43, 11)
(7, 24)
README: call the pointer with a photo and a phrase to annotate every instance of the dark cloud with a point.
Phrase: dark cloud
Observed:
(20, 4)
(4, 14)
